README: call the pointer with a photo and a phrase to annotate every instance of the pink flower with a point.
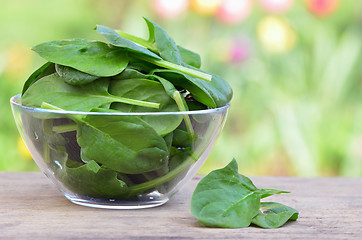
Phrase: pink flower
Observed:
(322, 7)
(234, 11)
(240, 49)
(276, 6)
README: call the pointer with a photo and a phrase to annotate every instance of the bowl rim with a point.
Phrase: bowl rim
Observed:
(14, 102)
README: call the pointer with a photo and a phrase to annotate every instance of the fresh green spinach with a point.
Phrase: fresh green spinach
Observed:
(47, 69)
(227, 199)
(122, 155)
(150, 91)
(73, 76)
(274, 215)
(54, 90)
(92, 57)
(215, 93)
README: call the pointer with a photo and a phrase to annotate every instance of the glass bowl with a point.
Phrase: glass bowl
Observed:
(118, 160)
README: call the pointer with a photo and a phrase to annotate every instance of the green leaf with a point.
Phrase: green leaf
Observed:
(53, 90)
(91, 180)
(116, 40)
(130, 73)
(189, 57)
(215, 93)
(166, 46)
(73, 76)
(181, 138)
(225, 198)
(268, 192)
(274, 215)
(150, 91)
(126, 144)
(92, 57)
(180, 101)
(47, 69)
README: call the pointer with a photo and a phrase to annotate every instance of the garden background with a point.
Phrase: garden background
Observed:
(295, 68)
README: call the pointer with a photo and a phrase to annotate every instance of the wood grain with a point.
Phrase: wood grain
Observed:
(31, 208)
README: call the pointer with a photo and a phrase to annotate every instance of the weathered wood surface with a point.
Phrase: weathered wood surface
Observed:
(31, 208)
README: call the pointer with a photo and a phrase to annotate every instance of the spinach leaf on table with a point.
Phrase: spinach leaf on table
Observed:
(274, 215)
(224, 198)
(52, 89)
(227, 199)
(92, 57)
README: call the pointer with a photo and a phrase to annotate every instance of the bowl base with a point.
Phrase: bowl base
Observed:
(116, 204)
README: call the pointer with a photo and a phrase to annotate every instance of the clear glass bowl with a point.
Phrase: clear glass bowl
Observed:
(118, 160)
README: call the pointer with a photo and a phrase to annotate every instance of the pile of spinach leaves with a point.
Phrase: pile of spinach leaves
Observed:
(119, 157)
(224, 198)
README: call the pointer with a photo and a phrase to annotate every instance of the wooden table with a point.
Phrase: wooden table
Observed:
(30, 207)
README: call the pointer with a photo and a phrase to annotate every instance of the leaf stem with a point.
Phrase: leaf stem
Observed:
(134, 102)
(138, 40)
(162, 63)
(65, 128)
(172, 66)
(178, 99)
(140, 188)
(52, 107)
(46, 152)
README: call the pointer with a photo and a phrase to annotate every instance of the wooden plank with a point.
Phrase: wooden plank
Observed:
(30, 207)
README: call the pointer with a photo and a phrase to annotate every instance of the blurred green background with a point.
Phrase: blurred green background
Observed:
(295, 68)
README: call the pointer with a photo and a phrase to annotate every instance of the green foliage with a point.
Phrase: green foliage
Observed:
(126, 144)
(224, 198)
(118, 155)
(274, 215)
(92, 57)
(215, 93)
(54, 90)
(73, 76)
(151, 91)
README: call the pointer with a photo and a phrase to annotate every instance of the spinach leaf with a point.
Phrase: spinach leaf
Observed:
(52, 89)
(215, 93)
(73, 76)
(126, 144)
(46, 69)
(166, 46)
(130, 73)
(181, 138)
(142, 53)
(92, 180)
(141, 65)
(151, 91)
(268, 192)
(180, 101)
(224, 198)
(92, 57)
(189, 57)
(116, 40)
(274, 215)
